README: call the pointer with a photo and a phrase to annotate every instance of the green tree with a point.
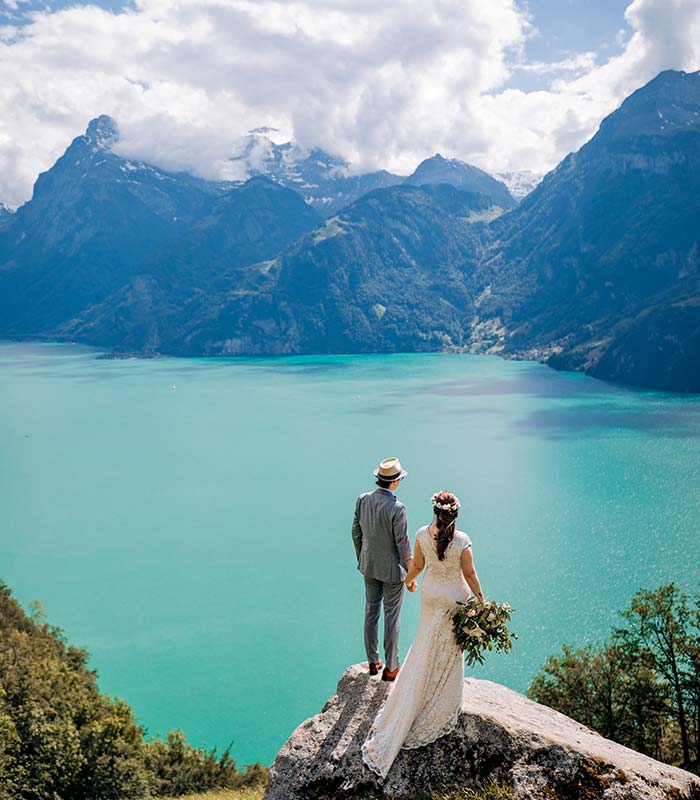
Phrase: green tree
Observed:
(178, 768)
(61, 739)
(642, 687)
(609, 689)
(691, 654)
(658, 629)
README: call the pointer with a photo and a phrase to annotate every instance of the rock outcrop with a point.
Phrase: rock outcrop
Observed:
(542, 754)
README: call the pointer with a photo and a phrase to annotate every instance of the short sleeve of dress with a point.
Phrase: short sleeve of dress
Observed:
(418, 535)
(466, 541)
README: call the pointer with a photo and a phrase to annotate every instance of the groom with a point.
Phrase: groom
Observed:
(379, 532)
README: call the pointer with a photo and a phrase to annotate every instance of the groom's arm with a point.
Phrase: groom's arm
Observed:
(403, 544)
(357, 530)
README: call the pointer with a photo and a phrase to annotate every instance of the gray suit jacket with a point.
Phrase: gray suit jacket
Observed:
(380, 535)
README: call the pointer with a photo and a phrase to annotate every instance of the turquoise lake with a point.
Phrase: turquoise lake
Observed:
(187, 521)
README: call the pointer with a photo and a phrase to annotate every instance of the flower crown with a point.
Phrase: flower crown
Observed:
(445, 506)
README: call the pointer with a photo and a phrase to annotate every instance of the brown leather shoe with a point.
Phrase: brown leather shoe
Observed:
(374, 668)
(390, 675)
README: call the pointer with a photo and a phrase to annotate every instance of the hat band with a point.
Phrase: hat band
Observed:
(389, 477)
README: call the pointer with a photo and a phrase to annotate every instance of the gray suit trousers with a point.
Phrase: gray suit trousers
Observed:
(392, 594)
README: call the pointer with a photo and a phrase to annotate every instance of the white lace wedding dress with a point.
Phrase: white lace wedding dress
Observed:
(424, 701)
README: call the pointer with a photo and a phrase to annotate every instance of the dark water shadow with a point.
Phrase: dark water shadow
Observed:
(292, 368)
(77, 376)
(532, 381)
(119, 369)
(679, 421)
(374, 409)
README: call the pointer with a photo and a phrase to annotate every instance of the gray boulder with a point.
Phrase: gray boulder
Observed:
(543, 754)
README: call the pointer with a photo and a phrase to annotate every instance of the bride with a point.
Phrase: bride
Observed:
(426, 697)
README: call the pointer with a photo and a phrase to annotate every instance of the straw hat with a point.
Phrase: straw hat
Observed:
(389, 469)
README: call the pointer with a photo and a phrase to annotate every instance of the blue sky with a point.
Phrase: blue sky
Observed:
(15, 13)
(507, 85)
(573, 26)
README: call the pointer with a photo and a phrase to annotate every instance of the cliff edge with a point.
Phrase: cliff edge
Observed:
(542, 753)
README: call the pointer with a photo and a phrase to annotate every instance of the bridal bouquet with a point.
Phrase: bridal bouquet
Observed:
(478, 628)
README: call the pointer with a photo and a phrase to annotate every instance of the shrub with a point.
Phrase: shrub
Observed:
(61, 738)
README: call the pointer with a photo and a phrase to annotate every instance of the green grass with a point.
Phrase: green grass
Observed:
(486, 215)
(491, 790)
(378, 310)
(250, 793)
(333, 227)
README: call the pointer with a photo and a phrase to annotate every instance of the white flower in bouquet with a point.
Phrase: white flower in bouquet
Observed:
(480, 628)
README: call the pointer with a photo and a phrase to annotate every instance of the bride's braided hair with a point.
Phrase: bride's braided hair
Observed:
(446, 508)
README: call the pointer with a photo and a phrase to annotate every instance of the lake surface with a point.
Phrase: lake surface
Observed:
(188, 521)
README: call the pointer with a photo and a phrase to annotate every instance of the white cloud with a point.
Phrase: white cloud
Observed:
(543, 126)
(578, 62)
(384, 85)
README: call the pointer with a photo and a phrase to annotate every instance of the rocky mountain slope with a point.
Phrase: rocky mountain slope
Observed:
(500, 734)
(221, 258)
(462, 176)
(599, 268)
(98, 222)
(388, 273)
(92, 220)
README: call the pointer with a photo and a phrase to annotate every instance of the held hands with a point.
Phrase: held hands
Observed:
(412, 586)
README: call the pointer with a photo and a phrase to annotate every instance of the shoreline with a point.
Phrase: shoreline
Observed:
(105, 354)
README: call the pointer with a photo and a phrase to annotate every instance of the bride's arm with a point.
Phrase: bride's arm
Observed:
(469, 572)
(416, 566)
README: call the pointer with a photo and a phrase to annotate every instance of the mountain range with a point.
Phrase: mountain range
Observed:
(326, 183)
(596, 269)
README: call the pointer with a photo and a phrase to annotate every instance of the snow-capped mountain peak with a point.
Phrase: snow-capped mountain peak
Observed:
(102, 132)
(520, 182)
(321, 178)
